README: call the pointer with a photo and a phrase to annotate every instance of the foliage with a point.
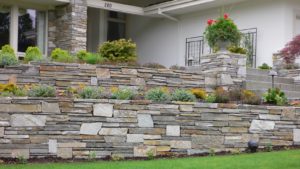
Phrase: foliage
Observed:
(21, 159)
(183, 96)
(211, 98)
(123, 94)
(248, 97)
(235, 94)
(222, 29)
(154, 66)
(92, 156)
(212, 152)
(60, 55)
(265, 66)
(10, 89)
(33, 54)
(199, 93)
(8, 56)
(157, 95)
(119, 50)
(269, 147)
(90, 93)
(42, 91)
(94, 58)
(82, 55)
(275, 96)
(117, 157)
(150, 155)
(177, 67)
(238, 50)
(222, 96)
(291, 50)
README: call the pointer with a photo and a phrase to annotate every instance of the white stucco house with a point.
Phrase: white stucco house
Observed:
(162, 29)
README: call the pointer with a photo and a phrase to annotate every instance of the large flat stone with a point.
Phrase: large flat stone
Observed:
(269, 117)
(1, 131)
(52, 146)
(103, 73)
(71, 145)
(177, 144)
(143, 151)
(135, 138)
(103, 110)
(20, 108)
(297, 135)
(173, 130)
(90, 128)
(50, 108)
(26, 120)
(145, 121)
(115, 139)
(261, 125)
(207, 141)
(17, 153)
(64, 153)
(113, 131)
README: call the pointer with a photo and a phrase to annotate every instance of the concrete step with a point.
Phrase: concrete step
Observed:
(292, 95)
(252, 71)
(266, 85)
(264, 78)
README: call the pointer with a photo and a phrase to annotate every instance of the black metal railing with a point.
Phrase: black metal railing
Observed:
(197, 47)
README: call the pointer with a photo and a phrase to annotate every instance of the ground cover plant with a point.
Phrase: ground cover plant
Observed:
(270, 160)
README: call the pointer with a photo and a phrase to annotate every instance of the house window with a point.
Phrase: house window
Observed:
(4, 25)
(31, 29)
(116, 26)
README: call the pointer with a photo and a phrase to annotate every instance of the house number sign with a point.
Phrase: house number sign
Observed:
(108, 5)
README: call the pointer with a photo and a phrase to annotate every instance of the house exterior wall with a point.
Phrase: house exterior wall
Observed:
(161, 40)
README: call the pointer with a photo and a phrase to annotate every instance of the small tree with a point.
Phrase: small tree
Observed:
(291, 50)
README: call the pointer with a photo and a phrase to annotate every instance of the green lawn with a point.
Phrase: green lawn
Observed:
(273, 160)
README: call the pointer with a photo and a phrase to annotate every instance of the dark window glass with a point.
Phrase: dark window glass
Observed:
(27, 29)
(116, 31)
(116, 15)
(4, 26)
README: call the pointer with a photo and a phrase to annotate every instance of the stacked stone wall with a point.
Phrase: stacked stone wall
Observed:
(36, 128)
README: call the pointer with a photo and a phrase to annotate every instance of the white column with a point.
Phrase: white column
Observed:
(14, 30)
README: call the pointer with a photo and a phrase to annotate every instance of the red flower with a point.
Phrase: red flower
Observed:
(226, 16)
(210, 22)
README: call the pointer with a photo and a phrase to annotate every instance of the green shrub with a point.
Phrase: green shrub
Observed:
(20, 92)
(33, 54)
(42, 91)
(275, 96)
(119, 50)
(8, 56)
(90, 93)
(157, 95)
(199, 93)
(235, 94)
(211, 98)
(60, 55)
(82, 55)
(93, 58)
(265, 66)
(183, 96)
(123, 94)
(154, 66)
(238, 50)
(117, 157)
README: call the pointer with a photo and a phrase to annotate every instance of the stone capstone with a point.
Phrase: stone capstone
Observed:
(103, 110)
(90, 128)
(261, 126)
(145, 121)
(26, 120)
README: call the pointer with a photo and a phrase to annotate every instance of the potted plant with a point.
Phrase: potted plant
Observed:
(222, 33)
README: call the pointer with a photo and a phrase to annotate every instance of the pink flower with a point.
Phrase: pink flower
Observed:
(226, 16)
(210, 22)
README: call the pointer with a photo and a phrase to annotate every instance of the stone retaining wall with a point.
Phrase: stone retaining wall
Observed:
(65, 75)
(34, 128)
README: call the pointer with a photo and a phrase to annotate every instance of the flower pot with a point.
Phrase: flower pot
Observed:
(223, 45)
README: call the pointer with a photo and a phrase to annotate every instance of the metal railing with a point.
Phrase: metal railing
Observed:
(197, 47)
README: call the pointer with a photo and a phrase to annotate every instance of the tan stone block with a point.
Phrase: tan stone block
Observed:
(65, 153)
(1, 131)
(17, 153)
(181, 144)
(20, 108)
(163, 148)
(234, 130)
(103, 73)
(143, 151)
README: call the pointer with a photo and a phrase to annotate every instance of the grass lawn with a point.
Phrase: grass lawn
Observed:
(273, 160)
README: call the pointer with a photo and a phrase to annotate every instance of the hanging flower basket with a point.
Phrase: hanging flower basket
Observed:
(222, 33)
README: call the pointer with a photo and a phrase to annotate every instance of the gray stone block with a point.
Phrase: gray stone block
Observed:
(90, 128)
(145, 121)
(26, 120)
(103, 110)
